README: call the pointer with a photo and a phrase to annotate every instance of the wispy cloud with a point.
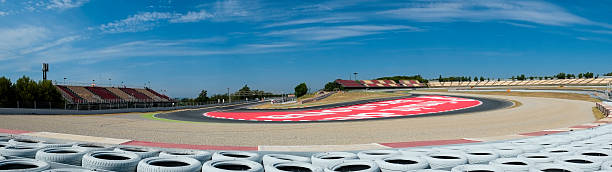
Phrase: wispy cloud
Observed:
(481, 10)
(338, 32)
(136, 23)
(192, 16)
(15, 39)
(519, 24)
(334, 19)
(2, 13)
(65, 4)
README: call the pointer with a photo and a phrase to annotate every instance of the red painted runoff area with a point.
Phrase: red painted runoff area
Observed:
(384, 109)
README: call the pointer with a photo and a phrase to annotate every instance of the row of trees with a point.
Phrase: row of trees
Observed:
(244, 93)
(25, 92)
(522, 77)
(462, 78)
(398, 78)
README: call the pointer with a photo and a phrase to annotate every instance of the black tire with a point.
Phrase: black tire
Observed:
(68, 170)
(353, 166)
(111, 160)
(202, 156)
(93, 147)
(20, 151)
(63, 155)
(232, 166)
(271, 159)
(236, 155)
(169, 164)
(291, 166)
(144, 153)
(23, 165)
(401, 163)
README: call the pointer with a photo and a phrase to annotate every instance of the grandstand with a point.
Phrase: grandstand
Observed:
(550, 82)
(93, 94)
(357, 84)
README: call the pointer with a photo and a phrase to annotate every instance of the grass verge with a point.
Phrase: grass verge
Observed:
(152, 117)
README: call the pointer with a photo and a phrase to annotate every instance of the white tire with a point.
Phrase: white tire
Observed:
(2, 158)
(481, 156)
(531, 148)
(292, 166)
(477, 167)
(401, 163)
(583, 162)
(23, 151)
(54, 145)
(202, 156)
(428, 170)
(111, 161)
(558, 152)
(512, 164)
(508, 151)
(23, 165)
(63, 155)
(25, 142)
(606, 165)
(271, 159)
(445, 161)
(417, 151)
(599, 155)
(325, 159)
(5, 138)
(169, 164)
(4, 144)
(144, 153)
(92, 147)
(377, 154)
(232, 166)
(68, 170)
(353, 166)
(236, 155)
(546, 167)
(538, 157)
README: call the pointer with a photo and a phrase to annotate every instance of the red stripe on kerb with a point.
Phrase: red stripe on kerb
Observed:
(427, 143)
(188, 146)
(540, 133)
(13, 131)
(583, 126)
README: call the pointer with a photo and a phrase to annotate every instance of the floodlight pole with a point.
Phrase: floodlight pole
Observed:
(355, 75)
(228, 96)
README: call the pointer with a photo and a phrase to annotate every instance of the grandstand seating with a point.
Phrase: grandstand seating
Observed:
(71, 96)
(585, 81)
(121, 94)
(157, 94)
(149, 94)
(103, 93)
(379, 84)
(136, 94)
(85, 94)
(349, 83)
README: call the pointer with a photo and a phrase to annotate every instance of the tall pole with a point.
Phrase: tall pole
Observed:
(355, 75)
(228, 96)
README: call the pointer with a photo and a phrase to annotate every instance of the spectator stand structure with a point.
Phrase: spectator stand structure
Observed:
(602, 81)
(93, 97)
(379, 84)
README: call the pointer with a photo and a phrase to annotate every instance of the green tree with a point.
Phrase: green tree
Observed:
(482, 78)
(7, 93)
(26, 90)
(202, 97)
(47, 92)
(561, 75)
(333, 86)
(580, 75)
(607, 74)
(301, 90)
(588, 75)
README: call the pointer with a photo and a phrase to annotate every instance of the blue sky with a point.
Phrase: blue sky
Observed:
(185, 46)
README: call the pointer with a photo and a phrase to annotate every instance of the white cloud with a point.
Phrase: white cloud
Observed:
(2, 13)
(55, 43)
(192, 17)
(338, 32)
(481, 10)
(65, 4)
(334, 19)
(136, 23)
(12, 39)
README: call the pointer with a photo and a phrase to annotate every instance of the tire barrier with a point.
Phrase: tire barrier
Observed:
(606, 165)
(326, 159)
(23, 165)
(25, 142)
(140, 151)
(377, 154)
(68, 170)
(530, 148)
(169, 164)
(582, 162)
(477, 167)
(428, 170)
(598, 155)
(53, 145)
(5, 138)
(202, 156)
(513, 164)
(4, 144)
(111, 161)
(417, 151)
(64, 155)
(93, 147)
(236, 155)
(548, 167)
(508, 151)
(537, 157)
(353, 166)
(292, 166)
(481, 156)
(271, 159)
(401, 163)
(445, 161)
(558, 152)
(232, 166)
(2, 158)
(19, 151)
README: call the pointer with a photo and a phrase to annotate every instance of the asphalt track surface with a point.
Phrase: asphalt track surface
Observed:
(197, 115)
